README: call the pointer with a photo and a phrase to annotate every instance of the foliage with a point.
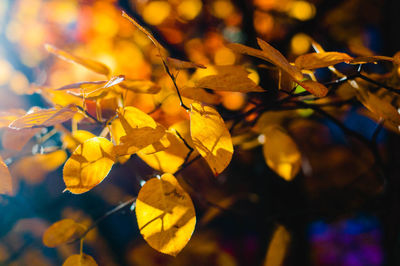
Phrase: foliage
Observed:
(185, 113)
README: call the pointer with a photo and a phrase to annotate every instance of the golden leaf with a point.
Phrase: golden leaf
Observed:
(45, 117)
(165, 214)
(137, 130)
(88, 165)
(179, 64)
(277, 247)
(279, 60)
(320, 60)
(80, 260)
(61, 232)
(210, 136)
(87, 63)
(229, 78)
(6, 117)
(141, 86)
(314, 87)
(6, 186)
(396, 58)
(281, 153)
(15, 139)
(201, 95)
(170, 159)
(71, 141)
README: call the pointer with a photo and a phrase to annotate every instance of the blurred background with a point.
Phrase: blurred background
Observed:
(336, 216)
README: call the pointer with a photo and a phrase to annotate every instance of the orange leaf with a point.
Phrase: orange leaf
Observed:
(15, 139)
(140, 86)
(179, 64)
(278, 247)
(314, 87)
(45, 117)
(370, 59)
(320, 60)
(80, 260)
(5, 179)
(87, 63)
(61, 232)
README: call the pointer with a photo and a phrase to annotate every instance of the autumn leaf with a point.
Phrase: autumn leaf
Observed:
(200, 95)
(6, 187)
(45, 117)
(141, 86)
(370, 59)
(229, 78)
(278, 247)
(16, 139)
(6, 117)
(320, 60)
(136, 131)
(165, 214)
(279, 60)
(80, 260)
(87, 63)
(170, 159)
(88, 165)
(396, 58)
(74, 139)
(210, 136)
(61, 232)
(179, 64)
(281, 153)
(314, 87)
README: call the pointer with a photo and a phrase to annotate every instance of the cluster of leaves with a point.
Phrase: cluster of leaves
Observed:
(164, 210)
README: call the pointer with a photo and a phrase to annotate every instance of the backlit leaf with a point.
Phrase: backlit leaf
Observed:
(15, 139)
(140, 86)
(279, 60)
(87, 63)
(210, 136)
(320, 60)
(71, 141)
(314, 87)
(370, 59)
(179, 64)
(5, 179)
(170, 159)
(201, 95)
(61, 232)
(139, 130)
(278, 247)
(6, 117)
(281, 153)
(165, 214)
(80, 260)
(45, 117)
(229, 78)
(88, 165)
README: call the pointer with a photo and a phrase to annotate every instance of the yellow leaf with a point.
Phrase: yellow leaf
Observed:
(80, 260)
(160, 145)
(42, 163)
(277, 247)
(62, 232)
(320, 60)
(165, 214)
(279, 60)
(5, 179)
(87, 63)
(141, 86)
(210, 136)
(88, 165)
(145, 31)
(15, 139)
(71, 141)
(281, 153)
(201, 95)
(170, 159)
(45, 117)
(6, 117)
(179, 64)
(139, 130)
(380, 106)
(314, 87)
(229, 78)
